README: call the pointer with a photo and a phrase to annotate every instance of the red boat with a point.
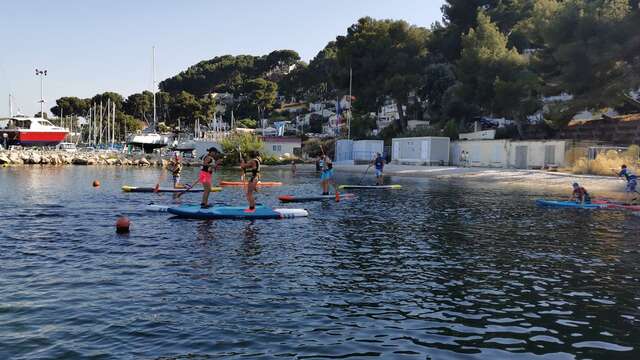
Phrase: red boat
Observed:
(29, 131)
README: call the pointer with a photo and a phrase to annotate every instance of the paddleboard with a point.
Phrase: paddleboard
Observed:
(629, 207)
(594, 205)
(137, 189)
(241, 183)
(157, 208)
(299, 199)
(235, 212)
(371, 187)
(569, 204)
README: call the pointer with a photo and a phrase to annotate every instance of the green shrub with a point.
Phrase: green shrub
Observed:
(246, 142)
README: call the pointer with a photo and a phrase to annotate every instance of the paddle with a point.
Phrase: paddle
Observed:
(177, 196)
(163, 174)
(365, 174)
(242, 177)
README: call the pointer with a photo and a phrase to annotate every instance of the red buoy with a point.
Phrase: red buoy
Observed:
(96, 183)
(122, 225)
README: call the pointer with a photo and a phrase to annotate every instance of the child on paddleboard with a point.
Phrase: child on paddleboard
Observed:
(632, 180)
(326, 175)
(378, 162)
(251, 171)
(208, 166)
(580, 194)
(176, 170)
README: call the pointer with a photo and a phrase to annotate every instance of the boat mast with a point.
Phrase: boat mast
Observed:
(10, 106)
(153, 65)
(100, 127)
(108, 120)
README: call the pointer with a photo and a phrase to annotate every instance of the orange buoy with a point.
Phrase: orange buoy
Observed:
(122, 225)
(96, 183)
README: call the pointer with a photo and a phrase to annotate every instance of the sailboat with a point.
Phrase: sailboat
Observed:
(150, 140)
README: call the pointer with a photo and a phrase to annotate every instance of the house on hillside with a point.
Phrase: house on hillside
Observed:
(388, 114)
(281, 145)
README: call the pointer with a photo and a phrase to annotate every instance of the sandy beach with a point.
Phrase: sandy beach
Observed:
(609, 186)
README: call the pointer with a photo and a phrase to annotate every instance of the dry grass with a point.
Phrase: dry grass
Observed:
(605, 163)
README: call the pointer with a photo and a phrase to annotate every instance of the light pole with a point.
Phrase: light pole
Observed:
(42, 74)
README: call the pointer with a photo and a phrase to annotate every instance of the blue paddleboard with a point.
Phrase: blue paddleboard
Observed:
(568, 204)
(234, 212)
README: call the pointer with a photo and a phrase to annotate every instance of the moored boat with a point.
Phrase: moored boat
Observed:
(31, 131)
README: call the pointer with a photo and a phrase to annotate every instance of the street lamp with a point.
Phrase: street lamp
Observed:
(42, 74)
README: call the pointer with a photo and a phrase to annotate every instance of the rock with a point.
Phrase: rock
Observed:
(112, 161)
(144, 162)
(15, 158)
(4, 159)
(34, 159)
(79, 161)
(92, 161)
(55, 159)
(45, 159)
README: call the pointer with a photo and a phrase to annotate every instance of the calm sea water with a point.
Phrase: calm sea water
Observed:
(437, 270)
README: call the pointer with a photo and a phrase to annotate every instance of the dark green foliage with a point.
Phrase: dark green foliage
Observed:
(387, 58)
(247, 123)
(486, 58)
(70, 105)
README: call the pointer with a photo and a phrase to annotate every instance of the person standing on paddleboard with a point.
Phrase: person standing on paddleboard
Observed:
(632, 180)
(580, 194)
(176, 170)
(326, 174)
(208, 166)
(378, 162)
(251, 171)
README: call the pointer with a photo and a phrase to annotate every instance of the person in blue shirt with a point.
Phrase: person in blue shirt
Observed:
(378, 162)
(326, 176)
(632, 179)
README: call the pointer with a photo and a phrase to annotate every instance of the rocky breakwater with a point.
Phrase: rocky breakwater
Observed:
(50, 157)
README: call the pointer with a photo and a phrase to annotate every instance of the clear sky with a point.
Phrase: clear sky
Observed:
(91, 46)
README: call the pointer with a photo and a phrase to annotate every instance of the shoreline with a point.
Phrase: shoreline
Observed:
(61, 157)
(606, 185)
(609, 185)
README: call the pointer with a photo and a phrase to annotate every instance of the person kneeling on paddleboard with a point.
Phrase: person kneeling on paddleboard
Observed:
(251, 171)
(378, 162)
(208, 166)
(580, 194)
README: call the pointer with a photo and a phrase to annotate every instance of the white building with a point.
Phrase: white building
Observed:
(533, 154)
(420, 150)
(350, 151)
(281, 146)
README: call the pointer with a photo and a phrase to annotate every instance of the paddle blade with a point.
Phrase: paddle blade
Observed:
(337, 196)
(157, 188)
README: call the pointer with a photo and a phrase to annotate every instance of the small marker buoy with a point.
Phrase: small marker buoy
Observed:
(122, 225)
(96, 183)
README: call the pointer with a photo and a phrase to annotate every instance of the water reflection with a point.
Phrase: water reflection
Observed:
(441, 270)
